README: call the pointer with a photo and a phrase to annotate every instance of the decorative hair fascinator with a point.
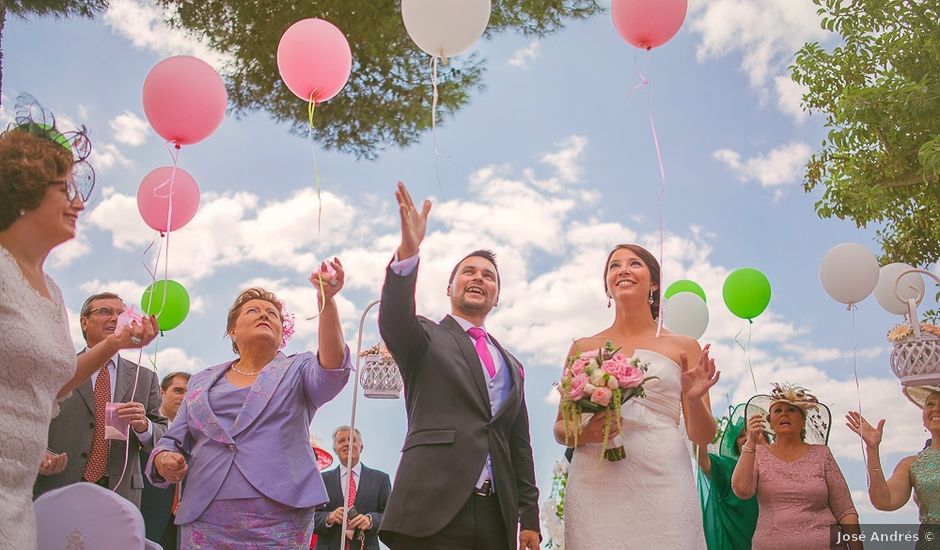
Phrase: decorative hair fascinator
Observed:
(30, 116)
(818, 418)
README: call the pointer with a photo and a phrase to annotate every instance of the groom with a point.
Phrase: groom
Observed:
(466, 479)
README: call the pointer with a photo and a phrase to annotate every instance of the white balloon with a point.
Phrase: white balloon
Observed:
(445, 28)
(686, 313)
(849, 272)
(911, 286)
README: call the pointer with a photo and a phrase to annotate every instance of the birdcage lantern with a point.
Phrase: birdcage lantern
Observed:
(915, 357)
(380, 378)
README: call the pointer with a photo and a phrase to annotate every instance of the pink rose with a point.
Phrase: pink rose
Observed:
(576, 389)
(621, 359)
(630, 377)
(601, 396)
(589, 354)
(577, 367)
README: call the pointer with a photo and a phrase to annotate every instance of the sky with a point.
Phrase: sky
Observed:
(551, 165)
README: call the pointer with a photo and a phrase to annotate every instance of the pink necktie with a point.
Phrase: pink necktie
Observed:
(479, 336)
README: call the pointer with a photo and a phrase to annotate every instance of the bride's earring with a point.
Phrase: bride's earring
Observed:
(651, 297)
(608, 301)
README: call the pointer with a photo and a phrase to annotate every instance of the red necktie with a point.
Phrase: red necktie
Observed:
(352, 488)
(479, 335)
(98, 458)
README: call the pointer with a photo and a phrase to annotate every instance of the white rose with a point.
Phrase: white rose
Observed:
(612, 383)
(589, 388)
(597, 378)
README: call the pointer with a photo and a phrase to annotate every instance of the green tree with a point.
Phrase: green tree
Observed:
(27, 8)
(388, 97)
(880, 93)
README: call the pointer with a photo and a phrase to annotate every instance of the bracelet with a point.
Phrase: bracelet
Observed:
(876, 469)
(746, 449)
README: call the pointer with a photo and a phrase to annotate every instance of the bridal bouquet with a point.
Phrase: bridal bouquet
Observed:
(598, 380)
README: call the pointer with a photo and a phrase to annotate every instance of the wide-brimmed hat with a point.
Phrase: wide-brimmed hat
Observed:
(919, 394)
(818, 418)
(737, 423)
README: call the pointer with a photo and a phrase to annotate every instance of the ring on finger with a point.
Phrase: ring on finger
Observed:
(333, 282)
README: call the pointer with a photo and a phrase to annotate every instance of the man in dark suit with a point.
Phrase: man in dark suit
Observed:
(78, 430)
(466, 479)
(368, 494)
(157, 504)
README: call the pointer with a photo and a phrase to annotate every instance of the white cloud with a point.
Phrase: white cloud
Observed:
(789, 97)
(105, 156)
(169, 360)
(765, 34)
(129, 291)
(782, 165)
(66, 253)
(145, 26)
(523, 56)
(567, 160)
(129, 128)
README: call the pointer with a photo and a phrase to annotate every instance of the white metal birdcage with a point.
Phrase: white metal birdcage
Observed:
(915, 358)
(380, 377)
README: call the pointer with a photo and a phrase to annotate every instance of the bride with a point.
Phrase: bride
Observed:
(647, 500)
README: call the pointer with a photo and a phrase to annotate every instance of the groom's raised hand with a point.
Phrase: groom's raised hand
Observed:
(414, 224)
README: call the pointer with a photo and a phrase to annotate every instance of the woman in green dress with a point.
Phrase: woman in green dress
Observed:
(729, 521)
(920, 472)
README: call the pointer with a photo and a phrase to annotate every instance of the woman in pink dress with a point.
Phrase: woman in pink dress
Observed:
(800, 489)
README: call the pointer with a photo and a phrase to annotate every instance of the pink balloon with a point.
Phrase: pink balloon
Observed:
(184, 99)
(314, 59)
(648, 23)
(161, 188)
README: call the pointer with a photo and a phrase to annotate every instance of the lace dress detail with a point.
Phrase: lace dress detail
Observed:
(648, 500)
(799, 500)
(36, 359)
(925, 477)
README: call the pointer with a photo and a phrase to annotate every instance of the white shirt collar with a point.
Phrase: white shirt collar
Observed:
(357, 469)
(465, 324)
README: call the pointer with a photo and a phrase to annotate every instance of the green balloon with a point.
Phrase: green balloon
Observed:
(684, 285)
(168, 300)
(746, 292)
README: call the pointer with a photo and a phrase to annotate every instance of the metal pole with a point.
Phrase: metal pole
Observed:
(352, 423)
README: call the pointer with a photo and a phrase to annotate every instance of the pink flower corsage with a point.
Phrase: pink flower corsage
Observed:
(287, 327)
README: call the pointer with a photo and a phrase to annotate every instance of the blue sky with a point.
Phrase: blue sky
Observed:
(551, 165)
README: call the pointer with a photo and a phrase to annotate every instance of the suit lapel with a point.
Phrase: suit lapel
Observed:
(261, 392)
(201, 416)
(124, 372)
(88, 394)
(471, 359)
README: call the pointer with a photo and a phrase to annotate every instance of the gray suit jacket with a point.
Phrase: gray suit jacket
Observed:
(72, 431)
(450, 425)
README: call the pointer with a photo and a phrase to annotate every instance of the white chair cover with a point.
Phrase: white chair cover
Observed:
(84, 516)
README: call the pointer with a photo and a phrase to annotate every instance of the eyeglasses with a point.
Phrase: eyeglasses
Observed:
(105, 311)
(73, 189)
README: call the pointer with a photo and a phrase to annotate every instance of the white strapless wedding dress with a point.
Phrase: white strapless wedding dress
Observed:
(648, 500)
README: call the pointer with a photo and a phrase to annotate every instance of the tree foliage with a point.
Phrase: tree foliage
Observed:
(880, 93)
(388, 97)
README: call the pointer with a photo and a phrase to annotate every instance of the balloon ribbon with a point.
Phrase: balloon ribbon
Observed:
(311, 106)
(746, 349)
(644, 83)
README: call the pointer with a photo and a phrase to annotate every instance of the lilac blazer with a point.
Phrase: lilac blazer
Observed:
(269, 440)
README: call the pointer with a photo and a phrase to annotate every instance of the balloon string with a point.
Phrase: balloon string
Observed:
(858, 387)
(434, 99)
(644, 83)
(746, 348)
(311, 107)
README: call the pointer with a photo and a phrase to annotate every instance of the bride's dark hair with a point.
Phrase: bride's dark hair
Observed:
(651, 264)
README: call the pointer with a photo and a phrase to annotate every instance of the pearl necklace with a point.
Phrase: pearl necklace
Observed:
(244, 373)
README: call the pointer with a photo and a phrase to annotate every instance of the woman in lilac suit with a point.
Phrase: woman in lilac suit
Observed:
(240, 438)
